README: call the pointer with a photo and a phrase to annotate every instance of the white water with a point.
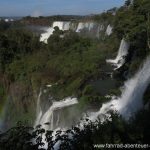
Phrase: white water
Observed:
(87, 25)
(60, 24)
(131, 99)
(44, 36)
(122, 52)
(90, 27)
(38, 109)
(127, 104)
(109, 30)
(48, 115)
(80, 27)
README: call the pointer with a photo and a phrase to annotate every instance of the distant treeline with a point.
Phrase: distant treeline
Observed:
(41, 20)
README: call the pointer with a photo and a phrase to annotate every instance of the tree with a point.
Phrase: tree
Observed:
(127, 3)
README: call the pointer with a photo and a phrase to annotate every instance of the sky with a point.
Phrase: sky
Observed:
(55, 7)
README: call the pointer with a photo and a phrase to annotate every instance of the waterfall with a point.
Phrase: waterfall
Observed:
(38, 109)
(109, 30)
(122, 52)
(44, 36)
(90, 27)
(48, 116)
(62, 25)
(100, 28)
(58, 24)
(66, 26)
(80, 27)
(131, 99)
(87, 25)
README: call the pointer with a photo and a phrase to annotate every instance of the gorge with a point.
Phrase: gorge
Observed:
(72, 82)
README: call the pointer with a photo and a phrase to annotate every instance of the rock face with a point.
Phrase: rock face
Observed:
(90, 28)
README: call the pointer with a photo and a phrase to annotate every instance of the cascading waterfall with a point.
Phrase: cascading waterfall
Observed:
(127, 104)
(58, 24)
(122, 52)
(80, 27)
(66, 26)
(38, 109)
(44, 36)
(99, 29)
(62, 26)
(48, 116)
(89, 27)
(109, 30)
(47, 119)
(131, 99)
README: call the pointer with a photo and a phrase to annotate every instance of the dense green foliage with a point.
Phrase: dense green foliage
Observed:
(132, 23)
(71, 62)
(15, 44)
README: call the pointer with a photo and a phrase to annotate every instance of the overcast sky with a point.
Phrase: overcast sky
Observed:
(55, 7)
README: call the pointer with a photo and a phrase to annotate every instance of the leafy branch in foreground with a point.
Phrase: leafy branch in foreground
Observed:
(114, 131)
